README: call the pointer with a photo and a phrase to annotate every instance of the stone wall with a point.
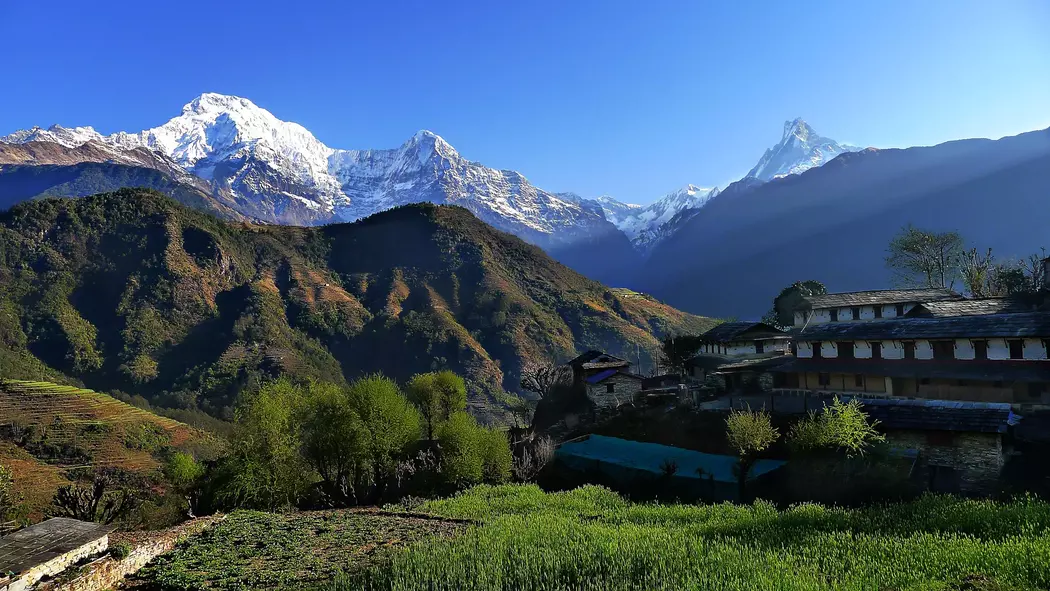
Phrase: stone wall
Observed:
(625, 389)
(977, 457)
(55, 566)
(107, 571)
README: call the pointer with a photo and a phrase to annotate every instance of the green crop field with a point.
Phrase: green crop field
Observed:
(255, 550)
(590, 538)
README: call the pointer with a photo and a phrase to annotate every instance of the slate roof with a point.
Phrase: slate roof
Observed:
(730, 331)
(602, 376)
(37, 544)
(940, 415)
(756, 364)
(591, 356)
(991, 371)
(1027, 324)
(878, 297)
(969, 308)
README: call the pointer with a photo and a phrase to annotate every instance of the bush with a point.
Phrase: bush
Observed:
(471, 454)
(121, 550)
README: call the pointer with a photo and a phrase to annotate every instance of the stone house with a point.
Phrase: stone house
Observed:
(1000, 357)
(605, 379)
(745, 339)
(959, 444)
(866, 305)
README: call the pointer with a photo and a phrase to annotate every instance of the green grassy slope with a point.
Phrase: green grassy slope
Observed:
(131, 291)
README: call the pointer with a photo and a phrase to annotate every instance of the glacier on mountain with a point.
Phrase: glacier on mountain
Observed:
(799, 150)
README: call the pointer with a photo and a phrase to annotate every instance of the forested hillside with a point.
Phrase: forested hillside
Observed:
(132, 291)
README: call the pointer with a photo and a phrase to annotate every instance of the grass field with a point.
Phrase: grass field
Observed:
(48, 431)
(590, 538)
(254, 550)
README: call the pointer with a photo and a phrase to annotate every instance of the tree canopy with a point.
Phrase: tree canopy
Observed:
(782, 315)
(923, 258)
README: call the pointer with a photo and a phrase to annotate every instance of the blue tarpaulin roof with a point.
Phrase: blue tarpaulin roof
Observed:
(600, 376)
(650, 457)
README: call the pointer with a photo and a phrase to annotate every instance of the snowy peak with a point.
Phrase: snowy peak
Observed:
(800, 149)
(70, 137)
(643, 225)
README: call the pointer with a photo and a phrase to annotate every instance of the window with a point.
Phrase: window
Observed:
(961, 383)
(824, 379)
(858, 381)
(924, 381)
(980, 349)
(943, 350)
(909, 349)
(845, 349)
(878, 311)
(997, 384)
(834, 315)
(856, 313)
(876, 350)
(900, 309)
(610, 388)
(758, 347)
(816, 350)
(1016, 349)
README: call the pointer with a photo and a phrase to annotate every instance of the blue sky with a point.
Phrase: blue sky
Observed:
(632, 99)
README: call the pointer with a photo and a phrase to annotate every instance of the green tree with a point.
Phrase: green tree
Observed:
(265, 469)
(335, 441)
(185, 475)
(749, 434)
(924, 258)
(437, 395)
(497, 459)
(462, 460)
(782, 315)
(390, 422)
(843, 426)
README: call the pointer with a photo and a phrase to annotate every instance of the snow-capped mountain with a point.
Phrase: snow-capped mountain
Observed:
(643, 225)
(278, 171)
(799, 150)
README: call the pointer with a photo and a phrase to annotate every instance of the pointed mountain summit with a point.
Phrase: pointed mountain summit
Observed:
(799, 150)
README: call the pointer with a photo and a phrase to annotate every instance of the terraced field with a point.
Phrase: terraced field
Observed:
(48, 431)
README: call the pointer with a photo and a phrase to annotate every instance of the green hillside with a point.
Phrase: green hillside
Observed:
(131, 291)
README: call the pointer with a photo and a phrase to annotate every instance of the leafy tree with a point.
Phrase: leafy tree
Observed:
(749, 434)
(471, 454)
(389, 422)
(924, 258)
(265, 469)
(334, 441)
(185, 475)
(984, 276)
(676, 350)
(782, 315)
(437, 395)
(843, 426)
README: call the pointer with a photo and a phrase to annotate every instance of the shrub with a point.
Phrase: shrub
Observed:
(120, 551)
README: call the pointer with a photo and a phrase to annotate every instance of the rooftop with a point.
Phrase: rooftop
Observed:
(651, 456)
(940, 415)
(732, 331)
(37, 544)
(593, 357)
(1026, 324)
(969, 307)
(878, 297)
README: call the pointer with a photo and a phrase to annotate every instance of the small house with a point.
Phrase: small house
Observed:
(960, 444)
(744, 339)
(605, 379)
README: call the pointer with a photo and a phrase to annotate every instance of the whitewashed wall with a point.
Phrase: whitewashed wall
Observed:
(828, 350)
(805, 349)
(923, 350)
(998, 349)
(892, 350)
(964, 349)
(1034, 349)
(862, 350)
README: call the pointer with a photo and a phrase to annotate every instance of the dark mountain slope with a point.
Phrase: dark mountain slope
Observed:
(833, 223)
(130, 290)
